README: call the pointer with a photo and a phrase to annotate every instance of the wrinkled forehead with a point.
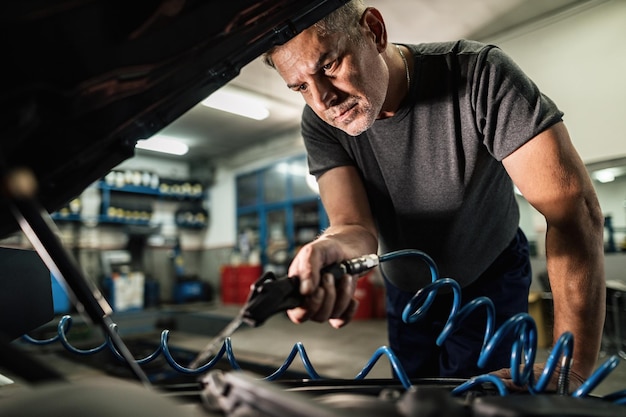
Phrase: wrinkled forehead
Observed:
(307, 51)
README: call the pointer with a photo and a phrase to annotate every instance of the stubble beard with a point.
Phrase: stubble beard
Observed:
(363, 118)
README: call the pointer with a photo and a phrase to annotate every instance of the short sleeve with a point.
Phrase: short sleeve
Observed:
(510, 108)
(323, 143)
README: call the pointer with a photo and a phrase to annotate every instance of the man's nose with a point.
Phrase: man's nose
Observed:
(325, 94)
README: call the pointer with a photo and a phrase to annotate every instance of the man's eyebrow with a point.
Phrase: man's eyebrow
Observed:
(320, 62)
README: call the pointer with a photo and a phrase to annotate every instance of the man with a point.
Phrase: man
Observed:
(415, 147)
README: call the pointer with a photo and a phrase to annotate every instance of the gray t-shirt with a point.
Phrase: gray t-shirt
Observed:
(433, 171)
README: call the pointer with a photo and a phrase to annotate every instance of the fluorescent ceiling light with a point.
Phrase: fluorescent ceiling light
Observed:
(604, 175)
(164, 144)
(240, 103)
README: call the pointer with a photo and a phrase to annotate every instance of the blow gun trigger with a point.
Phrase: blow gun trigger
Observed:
(270, 295)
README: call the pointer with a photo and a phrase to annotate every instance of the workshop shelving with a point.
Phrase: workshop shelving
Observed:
(127, 203)
(277, 212)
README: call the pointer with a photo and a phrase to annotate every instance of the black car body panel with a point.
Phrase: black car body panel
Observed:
(83, 80)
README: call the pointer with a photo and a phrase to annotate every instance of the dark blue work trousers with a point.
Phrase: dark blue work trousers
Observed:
(506, 283)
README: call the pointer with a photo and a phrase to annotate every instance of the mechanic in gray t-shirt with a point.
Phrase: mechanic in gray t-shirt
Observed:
(418, 147)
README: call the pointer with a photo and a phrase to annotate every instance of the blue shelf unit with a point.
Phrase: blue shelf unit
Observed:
(278, 207)
(137, 210)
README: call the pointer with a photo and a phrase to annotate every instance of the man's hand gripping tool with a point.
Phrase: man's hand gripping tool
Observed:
(270, 295)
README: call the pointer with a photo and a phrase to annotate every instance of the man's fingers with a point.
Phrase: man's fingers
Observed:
(322, 302)
(345, 290)
(330, 301)
(575, 381)
(317, 306)
(298, 315)
(504, 373)
(347, 315)
(307, 265)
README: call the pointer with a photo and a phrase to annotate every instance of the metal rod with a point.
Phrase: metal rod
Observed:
(40, 231)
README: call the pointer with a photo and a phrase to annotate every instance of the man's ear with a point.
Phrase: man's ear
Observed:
(372, 20)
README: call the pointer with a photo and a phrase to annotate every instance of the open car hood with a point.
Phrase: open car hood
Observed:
(83, 80)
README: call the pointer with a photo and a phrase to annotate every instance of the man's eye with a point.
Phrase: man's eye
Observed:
(328, 66)
(302, 87)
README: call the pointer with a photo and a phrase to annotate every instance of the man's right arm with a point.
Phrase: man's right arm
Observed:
(351, 233)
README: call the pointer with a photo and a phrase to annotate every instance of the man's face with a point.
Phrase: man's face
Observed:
(344, 83)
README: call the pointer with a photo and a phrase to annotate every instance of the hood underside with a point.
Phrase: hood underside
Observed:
(85, 79)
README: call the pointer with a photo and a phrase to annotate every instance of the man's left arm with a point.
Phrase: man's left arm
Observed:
(552, 177)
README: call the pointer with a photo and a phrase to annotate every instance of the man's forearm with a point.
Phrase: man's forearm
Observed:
(575, 264)
(355, 240)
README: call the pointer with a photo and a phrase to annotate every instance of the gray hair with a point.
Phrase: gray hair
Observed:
(344, 19)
